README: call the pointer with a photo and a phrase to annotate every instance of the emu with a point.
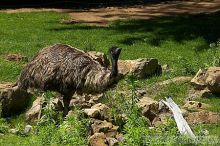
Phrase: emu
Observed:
(67, 70)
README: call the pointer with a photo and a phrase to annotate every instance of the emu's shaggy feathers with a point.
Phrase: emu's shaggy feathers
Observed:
(64, 69)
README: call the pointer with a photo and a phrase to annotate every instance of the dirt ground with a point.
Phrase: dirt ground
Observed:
(101, 16)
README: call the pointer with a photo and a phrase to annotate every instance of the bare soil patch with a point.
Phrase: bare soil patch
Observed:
(101, 16)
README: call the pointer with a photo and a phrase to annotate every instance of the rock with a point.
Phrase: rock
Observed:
(70, 113)
(94, 99)
(166, 68)
(203, 117)
(13, 100)
(112, 141)
(140, 68)
(112, 132)
(56, 103)
(34, 111)
(207, 78)
(213, 79)
(98, 111)
(162, 107)
(79, 101)
(120, 137)
(194, 94)
(195, 105)
(16, 57)
(6, 85)
(199, 80)
(108, 128)
(149, 107)
(85, 100)
(98, 139)
(141, 92)
(100, 57)
(13, 131)
(161, 119)
(101, 126)
(27, 129)
(184, 112)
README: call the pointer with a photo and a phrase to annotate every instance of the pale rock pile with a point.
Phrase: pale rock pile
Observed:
(104, 133)
(85, 100)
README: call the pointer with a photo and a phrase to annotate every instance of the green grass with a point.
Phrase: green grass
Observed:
(173, 40)
(182, 42)
(9, 70)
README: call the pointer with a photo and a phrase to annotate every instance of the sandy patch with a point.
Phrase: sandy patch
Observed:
(101, 16)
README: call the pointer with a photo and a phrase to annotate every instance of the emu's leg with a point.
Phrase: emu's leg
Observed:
(66, 103)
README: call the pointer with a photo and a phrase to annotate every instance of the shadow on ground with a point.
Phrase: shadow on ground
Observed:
(178, 28)
(70, 4)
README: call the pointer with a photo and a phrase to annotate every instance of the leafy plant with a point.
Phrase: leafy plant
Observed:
(215, 52)
(74, 131)
(3, 126)
(186, 66)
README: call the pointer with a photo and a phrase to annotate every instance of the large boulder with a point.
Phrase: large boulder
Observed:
(207, 78)
(12, 100)
(140, 68)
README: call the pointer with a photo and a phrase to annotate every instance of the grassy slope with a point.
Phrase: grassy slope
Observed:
(180, 41)
(166, 38)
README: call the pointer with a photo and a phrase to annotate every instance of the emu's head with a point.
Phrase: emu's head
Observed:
(115, 52)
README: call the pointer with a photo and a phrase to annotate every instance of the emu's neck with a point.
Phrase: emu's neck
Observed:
(114, 71)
